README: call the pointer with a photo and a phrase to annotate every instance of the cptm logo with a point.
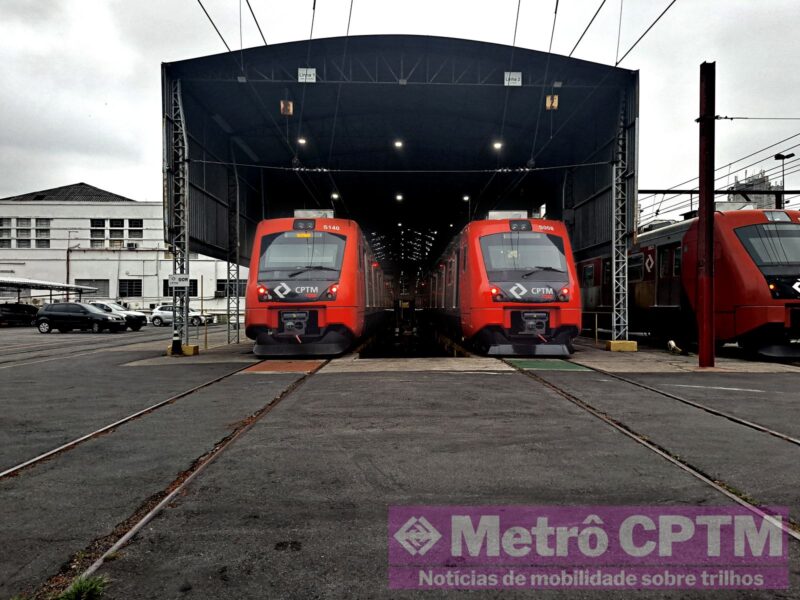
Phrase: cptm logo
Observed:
(417, 536)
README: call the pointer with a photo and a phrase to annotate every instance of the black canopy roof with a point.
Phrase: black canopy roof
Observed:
(444, 99)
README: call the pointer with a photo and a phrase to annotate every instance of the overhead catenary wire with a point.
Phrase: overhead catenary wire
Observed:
(646, 31)
(336, 109)
(214, 25)
(575, 47)
(544, 80)
(730, 164)
(258, 26)
(499, 170)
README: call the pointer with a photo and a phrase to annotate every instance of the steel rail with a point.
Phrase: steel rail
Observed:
(791, 528)
(140, 413)
(199, 467)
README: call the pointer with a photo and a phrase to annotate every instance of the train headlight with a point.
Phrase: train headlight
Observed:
(263, 293)
(563, 294)
(332, 291)
(774, 290)
(497, 294)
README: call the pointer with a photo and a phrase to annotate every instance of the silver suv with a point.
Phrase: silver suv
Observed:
(162, 315)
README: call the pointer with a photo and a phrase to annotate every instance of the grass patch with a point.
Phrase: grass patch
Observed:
(85, 588)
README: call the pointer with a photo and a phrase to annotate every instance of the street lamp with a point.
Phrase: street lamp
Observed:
(782, 157)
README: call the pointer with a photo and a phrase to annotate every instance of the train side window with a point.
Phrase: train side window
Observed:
(663, 263)
(636, 267)
(587, 276)
(676, 262)
(607, 272)
(464, 259)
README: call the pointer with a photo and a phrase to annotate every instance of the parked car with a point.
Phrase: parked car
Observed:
(16, 313)
(134, 319)
(66, 316)
(162, 315)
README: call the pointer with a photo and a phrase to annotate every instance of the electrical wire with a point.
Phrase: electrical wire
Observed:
(646, 31)
(587, 28)
(619, 33)
(214, 25)
(256, 21)
(719, 118)
(730, 164)
(401, 171)
(544, 80)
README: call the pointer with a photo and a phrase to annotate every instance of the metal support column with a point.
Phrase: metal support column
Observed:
(180, 220)
(705, 221)
(232, 286)
(619, 240)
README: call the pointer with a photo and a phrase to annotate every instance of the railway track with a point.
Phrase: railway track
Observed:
(74, 443)
(791, 528)
(87, 561)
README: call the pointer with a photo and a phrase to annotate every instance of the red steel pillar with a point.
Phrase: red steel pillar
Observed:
(705, 226)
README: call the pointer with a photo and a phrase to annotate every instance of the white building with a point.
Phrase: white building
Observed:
(86, 236)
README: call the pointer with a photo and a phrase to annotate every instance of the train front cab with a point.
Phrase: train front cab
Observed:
(314, 288)
(511, 283)
(757, 278)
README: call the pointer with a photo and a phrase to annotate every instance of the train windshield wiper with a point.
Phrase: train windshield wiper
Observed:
(537, 269)
(311, 268)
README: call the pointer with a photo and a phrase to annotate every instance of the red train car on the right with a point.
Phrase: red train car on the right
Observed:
(757, 280)
(507, 287)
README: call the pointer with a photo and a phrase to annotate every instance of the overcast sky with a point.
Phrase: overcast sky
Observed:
(80, 99)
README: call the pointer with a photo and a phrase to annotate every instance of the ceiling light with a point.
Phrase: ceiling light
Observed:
(497, 145)
(398, 143)
(399, 197)
(335, 196)
(302, 141)
(465, 198)
(399, 224)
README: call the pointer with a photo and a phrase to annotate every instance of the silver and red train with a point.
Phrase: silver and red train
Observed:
(757, 280)
(508, 286)
(314, 287)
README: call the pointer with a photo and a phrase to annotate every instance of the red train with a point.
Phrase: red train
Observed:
(314, 287)
(757, 280)
(508, 287)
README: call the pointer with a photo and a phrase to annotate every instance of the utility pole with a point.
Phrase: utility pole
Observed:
(705, 225)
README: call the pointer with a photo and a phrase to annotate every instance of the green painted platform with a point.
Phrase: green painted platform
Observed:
(543, 364)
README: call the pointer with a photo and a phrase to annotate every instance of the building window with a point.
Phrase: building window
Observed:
(23, 222)
(42, 243)
(135, 234)
(99, 223)
(168, 290)
(23, 233)
(116, 234)
(130, 288)
(5, 222)
(222, 283)
(5, 233)
(43, 233)
(23, 243)
(98, 233)
(98, 243)
(116, 243)
(136, 223)
(100, 284)
(43, 222)
(118, 223)
(5, 243)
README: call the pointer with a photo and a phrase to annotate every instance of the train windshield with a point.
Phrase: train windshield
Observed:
(301, 255)
(523, 254)
(772, 245)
